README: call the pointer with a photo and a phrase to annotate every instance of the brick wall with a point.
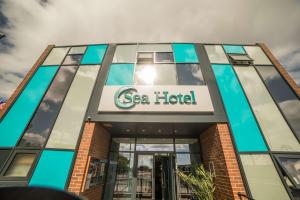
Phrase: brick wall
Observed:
(217, 148)
(25, 80)
(94, 142)
(281, 69)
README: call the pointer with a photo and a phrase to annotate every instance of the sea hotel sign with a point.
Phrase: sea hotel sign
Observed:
(155, 99)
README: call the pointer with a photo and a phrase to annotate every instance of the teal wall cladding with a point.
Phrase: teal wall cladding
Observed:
(120, 74)
(185, 53)
(244, 127)
(52, 169)
(94, 54)
(17, 118)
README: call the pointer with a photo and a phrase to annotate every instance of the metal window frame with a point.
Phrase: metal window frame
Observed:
(287, 173)
(10, 161)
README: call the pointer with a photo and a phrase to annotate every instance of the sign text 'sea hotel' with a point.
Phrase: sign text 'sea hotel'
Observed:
(116, 121)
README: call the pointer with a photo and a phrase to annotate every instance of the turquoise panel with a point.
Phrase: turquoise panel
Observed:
(120, 74)
(234, 49)
(15, 121)
(185, 53)
(52, 169)
(244, 127)
(94, 54)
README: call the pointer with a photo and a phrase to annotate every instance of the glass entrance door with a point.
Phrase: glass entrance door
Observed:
(144, 177)
(144, 168)
(155, 177)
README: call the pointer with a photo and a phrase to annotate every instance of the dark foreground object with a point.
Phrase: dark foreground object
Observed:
(34, 193)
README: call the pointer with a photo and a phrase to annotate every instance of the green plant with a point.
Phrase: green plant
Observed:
(200, 182)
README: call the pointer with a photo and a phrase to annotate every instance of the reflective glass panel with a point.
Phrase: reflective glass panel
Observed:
(155, 47)
(164, 57)
(122, 144)
(120, 74)
(185, 53)
(111, 175)
(216, 54)
(262, 177)
(235, 49)
(158, 74)
(189, 74)
(17, 118)
(257, 54)
(187, 145)
(56, 56)
(3, 157)
(124, 181)
(145, 58)
(292, 166)
(275, 129)
(125, 54)
(20, 165)
(94, 54)
(52, 169)
(144, 188)
(244, 127)
(69, 121)
(154, 144)
(77, 50)
(283, 95)
(72, 59)
(39, 127)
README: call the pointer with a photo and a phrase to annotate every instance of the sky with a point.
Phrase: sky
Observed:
(30, 25)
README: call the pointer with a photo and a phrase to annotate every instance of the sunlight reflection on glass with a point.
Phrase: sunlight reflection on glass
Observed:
(147, 74)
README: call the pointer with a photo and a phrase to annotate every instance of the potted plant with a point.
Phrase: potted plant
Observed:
(200, 181)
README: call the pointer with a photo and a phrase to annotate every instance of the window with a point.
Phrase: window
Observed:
(234, 49)
(52, 169)
(77, 50)
(56, 56)
(65, 135)
(291, 167)
(120, 74)
(94, 54)
(155, 48)
(262, 177)
(122, 144)
(72, 59)
(25, 105)
(164, 57)
(274, 127)
(156, 74)
(20, 165)
(189, 74)
(185, 53)
(145, 58)
(154, 144)
(187, 145)
(283, 95)
(240, 59)
(257, 54)
(40, 125)
(125, 54)
(216, 54)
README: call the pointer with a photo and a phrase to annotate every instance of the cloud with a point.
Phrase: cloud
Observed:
(31, 25)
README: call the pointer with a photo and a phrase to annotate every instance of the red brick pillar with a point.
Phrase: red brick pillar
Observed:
(95, 143)
(218, 151)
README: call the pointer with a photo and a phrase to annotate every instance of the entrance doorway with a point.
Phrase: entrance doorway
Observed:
(145, 168)
(155, 176)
